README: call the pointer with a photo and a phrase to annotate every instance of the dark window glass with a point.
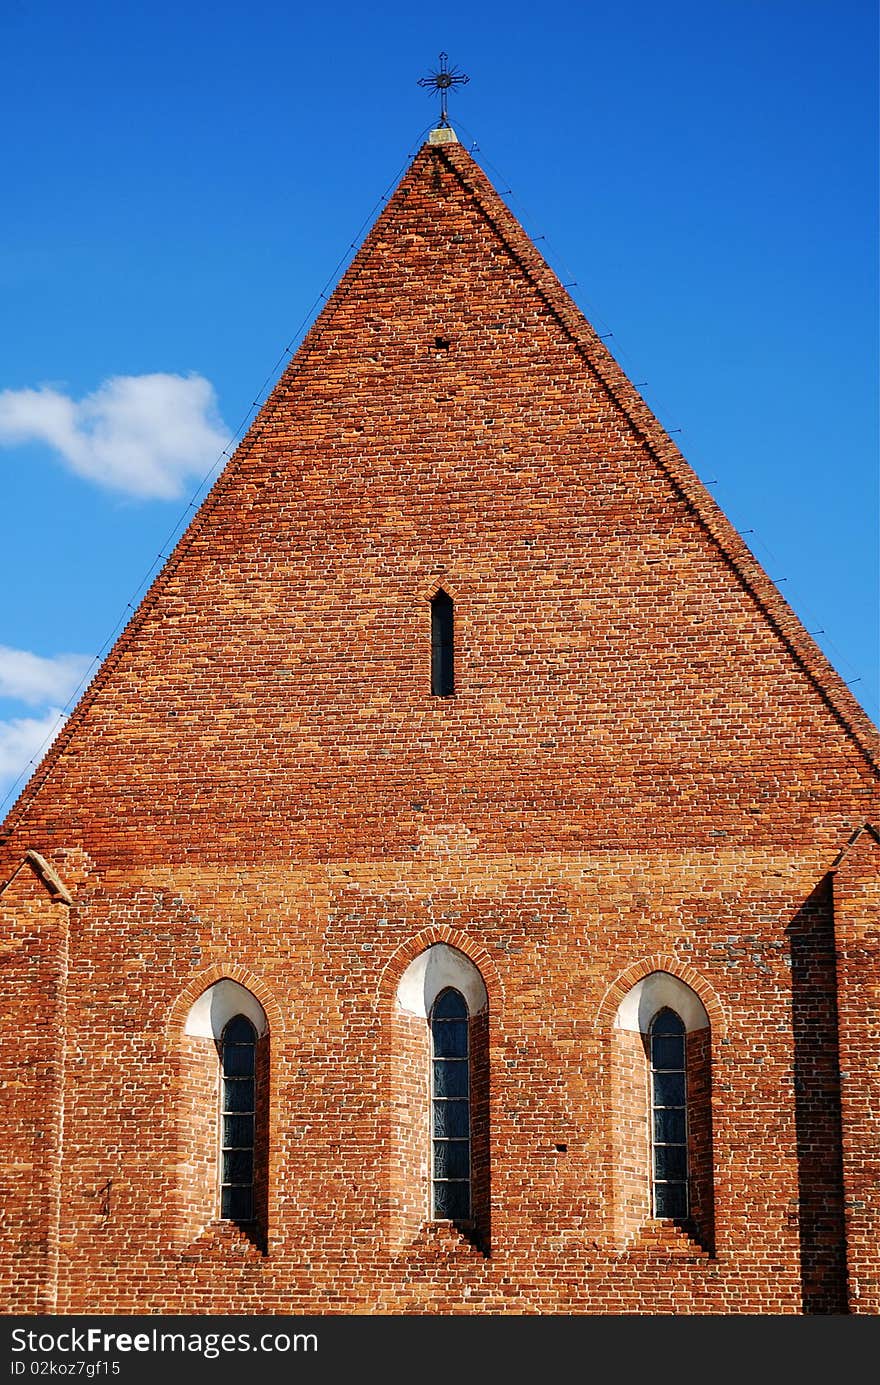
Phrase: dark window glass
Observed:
(450, 1105)
(450, 1005)
(451, 1039)
(238, 1166)
(452, 1200)
(238, 1132)
(668, 1088)
(666, 1022)
(670, 1126)
(239, 1030)
(670, 1200)
(451, 1079)
(668, 1052)
(237, 1099)
(442, 646)
(238, 1060)
(238, 1094)
(670, 1161)
(669, 1164)
(452, 1119)
(452, 1159)
(237, 1202)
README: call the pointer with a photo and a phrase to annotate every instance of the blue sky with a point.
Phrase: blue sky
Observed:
(182, 181)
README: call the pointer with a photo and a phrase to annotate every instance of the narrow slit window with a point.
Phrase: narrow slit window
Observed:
(237, 1115)
(669, 1151)
(450, 1108)
(442, 646)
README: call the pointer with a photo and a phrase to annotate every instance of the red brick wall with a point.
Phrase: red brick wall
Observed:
(481, 1131)
(555, 1233)
(629, 1122)
(33, 973)
(197, 1092)
(628, 1112)
(410, 1143)
(856, 901)
(196, 1085)
(639, 761)
(701, 1162)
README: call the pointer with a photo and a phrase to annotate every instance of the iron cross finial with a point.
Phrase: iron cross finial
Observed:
(441, 81)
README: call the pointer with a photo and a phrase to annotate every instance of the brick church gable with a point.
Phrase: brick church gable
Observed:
(629, 645)
(458, 672)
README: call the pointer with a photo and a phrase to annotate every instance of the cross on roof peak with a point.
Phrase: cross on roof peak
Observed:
(442, 80)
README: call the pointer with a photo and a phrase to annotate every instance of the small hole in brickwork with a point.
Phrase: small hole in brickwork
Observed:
(442, 343)
(562, 1149)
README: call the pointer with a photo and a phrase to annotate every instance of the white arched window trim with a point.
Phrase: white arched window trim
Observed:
(215, 1007)
(438, 967)
(660, 990)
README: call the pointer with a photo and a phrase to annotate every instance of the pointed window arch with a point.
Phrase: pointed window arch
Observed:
(669, 1124)
(440, 1144)
(224, 1112)
(661, 1059)
(450, 1107)
(442, 645)
(237, 1119)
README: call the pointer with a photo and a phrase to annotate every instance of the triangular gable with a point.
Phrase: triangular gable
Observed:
(454, 176)
(781, 618)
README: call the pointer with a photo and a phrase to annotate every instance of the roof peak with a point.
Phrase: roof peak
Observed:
(443, 134)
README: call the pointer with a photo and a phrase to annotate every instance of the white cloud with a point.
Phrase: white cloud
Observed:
(35, 680)
(22, 740)
(42, 683)
(143, 435)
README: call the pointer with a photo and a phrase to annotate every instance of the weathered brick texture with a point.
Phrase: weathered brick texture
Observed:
(856, 901)
(646, 766)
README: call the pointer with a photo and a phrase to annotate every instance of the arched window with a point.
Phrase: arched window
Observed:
(662, 1147)
(669, 1125)
(440, 1150)
(442, 646)
(450, 1107)
(237, 1118)
(224, 1114)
